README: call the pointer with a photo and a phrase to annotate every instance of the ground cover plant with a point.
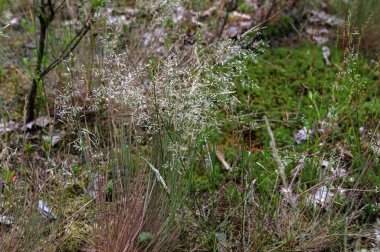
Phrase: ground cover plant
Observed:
(189, 126)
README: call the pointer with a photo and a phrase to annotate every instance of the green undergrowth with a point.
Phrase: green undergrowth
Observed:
(295, 89)
(195, 203)
(294, 86)
(209, 208)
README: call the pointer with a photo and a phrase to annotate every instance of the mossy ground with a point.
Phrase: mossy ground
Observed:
(294, 88)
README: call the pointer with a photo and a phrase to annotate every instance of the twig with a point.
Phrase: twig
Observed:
(230, 7)
(70, 47)
(46, 14)
(221, 158)
(59, 6)
(266, 20)
(286, 190)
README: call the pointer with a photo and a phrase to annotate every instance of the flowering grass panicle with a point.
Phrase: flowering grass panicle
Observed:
(177, 94)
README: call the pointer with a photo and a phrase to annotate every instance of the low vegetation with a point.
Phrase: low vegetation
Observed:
(190, 126)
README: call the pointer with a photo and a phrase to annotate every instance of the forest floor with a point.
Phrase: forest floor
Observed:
(163, 131)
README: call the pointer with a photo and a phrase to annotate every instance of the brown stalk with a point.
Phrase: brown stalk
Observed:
(230, 7)
(46, 13)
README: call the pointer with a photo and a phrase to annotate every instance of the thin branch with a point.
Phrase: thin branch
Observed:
(59, 6)
(230, 7)
(268, 17)
(46, 12)
(286, 190)
(69, 48)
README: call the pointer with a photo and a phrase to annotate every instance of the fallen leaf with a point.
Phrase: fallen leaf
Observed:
(158, 175)
(302, 135)
(318, 34)
(323, 18)
(220, 156)
(234, 31)
(41, 122)
(325, 163)
(45, 210)
(338, 172)
(5, 220)
(326, 55)
(237, 16)
(129, 11)
(323, 197)
(8, 126)
(208, 12)
(179, 14)
(55, 137)
(4, 153)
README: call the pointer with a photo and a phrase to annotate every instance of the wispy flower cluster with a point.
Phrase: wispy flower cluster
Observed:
(175, 94)
(178, 94)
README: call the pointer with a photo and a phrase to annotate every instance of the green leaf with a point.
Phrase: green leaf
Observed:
(145, 237)
(97, 3)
